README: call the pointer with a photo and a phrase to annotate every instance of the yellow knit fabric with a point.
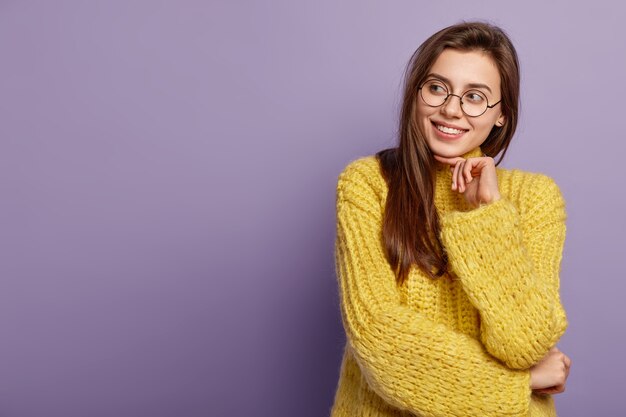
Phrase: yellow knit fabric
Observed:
(460, 345)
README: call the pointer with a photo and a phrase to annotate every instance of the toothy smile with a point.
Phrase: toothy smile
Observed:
(449, 130)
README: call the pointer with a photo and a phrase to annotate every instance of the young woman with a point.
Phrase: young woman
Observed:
(448, 266)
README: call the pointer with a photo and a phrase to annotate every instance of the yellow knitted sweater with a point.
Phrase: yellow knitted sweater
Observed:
(460, 345)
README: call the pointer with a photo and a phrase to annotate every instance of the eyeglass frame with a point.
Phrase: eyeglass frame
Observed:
(456, 95)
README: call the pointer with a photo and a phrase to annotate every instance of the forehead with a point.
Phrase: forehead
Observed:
(467, 67)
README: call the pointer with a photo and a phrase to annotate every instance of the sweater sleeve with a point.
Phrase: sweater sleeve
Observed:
(411, 362)
(509, 266)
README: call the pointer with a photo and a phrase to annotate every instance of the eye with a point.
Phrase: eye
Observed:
(436, 87)
(475, 97)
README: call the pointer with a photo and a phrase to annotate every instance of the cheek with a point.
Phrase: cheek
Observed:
(421, 115)
(423, 112)
(484, 126)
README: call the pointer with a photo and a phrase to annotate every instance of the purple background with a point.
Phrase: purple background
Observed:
(168, 169)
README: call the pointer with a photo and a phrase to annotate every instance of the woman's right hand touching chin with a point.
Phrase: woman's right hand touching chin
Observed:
(548, 376)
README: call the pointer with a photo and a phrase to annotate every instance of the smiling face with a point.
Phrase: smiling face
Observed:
(448, 130)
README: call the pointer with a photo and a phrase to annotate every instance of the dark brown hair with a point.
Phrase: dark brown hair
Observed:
(411, 226)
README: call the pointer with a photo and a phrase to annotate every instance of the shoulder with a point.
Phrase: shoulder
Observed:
(527, 181)
(532, 192)
(361, 182)
(360, 174)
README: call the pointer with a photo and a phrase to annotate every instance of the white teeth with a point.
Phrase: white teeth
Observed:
(449, 130)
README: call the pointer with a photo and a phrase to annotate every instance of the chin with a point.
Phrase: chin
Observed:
(446, 151)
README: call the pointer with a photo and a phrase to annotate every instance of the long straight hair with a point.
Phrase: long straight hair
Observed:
(411, 228)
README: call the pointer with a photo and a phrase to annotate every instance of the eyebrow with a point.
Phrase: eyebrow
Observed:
(470, 85)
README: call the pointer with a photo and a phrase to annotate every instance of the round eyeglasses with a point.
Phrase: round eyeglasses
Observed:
(473, 102)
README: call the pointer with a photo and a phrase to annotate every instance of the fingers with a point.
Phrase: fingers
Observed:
(460, 180)
(460, 175)
(455, 184)
(467, 172)
(567, 360)
(462, 172)
(557, 365)
(568, 363)
(557, 389)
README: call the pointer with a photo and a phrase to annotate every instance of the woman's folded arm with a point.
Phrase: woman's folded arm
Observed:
(412, 362)
(509, 266)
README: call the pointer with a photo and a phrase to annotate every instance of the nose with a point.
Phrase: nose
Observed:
(452, 106)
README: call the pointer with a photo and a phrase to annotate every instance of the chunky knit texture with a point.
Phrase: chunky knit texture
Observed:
(460, 345)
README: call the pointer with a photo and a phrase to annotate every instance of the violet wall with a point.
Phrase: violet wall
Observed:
(167, 174)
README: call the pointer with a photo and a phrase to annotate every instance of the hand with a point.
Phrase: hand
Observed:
(548, 376)
(474, 177)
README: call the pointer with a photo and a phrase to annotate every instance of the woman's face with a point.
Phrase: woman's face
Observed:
(460, 71)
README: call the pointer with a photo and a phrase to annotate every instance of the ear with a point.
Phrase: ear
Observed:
(501, 120)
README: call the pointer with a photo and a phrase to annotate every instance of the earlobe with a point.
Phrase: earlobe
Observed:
(500, 122)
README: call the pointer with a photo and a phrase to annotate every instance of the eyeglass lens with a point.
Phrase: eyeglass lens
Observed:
(434, 93)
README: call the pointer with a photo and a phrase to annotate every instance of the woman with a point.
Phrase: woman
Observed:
(448, 266)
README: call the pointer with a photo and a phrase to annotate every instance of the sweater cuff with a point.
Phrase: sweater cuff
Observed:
(484, 233)
(485, 215)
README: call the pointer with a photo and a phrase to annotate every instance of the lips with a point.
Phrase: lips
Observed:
(448, 128)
